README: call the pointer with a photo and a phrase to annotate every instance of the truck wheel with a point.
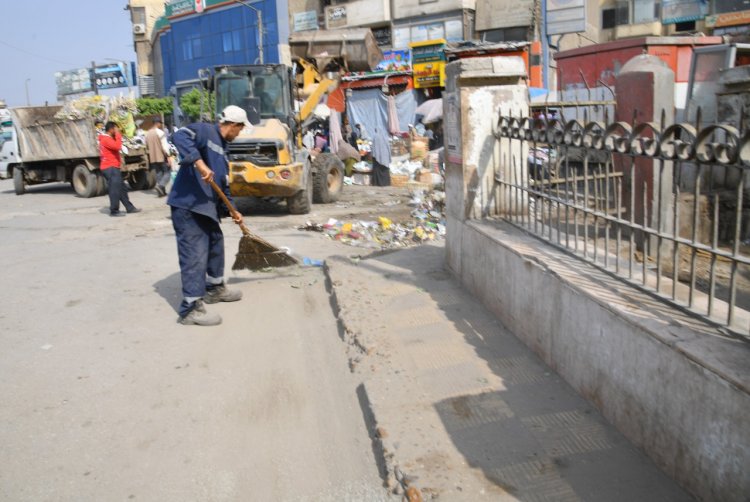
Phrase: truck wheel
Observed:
(19, 185)
(301, 202)
(138, 180)
(84, 182)
(329, 178)
(101, 184)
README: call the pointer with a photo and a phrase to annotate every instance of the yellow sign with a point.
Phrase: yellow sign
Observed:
(428, 63)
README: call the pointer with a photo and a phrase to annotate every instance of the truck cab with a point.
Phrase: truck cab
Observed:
(8, 143)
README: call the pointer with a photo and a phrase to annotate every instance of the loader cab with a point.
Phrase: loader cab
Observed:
(261, 90)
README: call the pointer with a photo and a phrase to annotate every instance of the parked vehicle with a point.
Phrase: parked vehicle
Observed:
(39, 148)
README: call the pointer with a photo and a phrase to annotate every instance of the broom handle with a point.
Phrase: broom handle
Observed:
(232, 210)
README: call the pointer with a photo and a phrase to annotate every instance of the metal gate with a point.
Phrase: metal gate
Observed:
(660, 206)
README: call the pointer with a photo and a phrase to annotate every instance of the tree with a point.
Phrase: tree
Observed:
(198, 104)
(154, 106)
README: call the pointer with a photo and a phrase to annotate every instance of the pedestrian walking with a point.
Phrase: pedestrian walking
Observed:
(110, 144)
(158, 156)
(381, 159)
(195, 211)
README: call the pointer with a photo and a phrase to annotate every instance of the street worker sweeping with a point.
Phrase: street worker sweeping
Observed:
(195, 214)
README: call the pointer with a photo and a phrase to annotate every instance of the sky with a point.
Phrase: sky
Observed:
(41, 37)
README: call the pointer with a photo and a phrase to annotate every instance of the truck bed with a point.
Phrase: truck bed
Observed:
(41, 137)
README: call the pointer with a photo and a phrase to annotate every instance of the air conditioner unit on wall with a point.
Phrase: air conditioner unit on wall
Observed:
(139, 29)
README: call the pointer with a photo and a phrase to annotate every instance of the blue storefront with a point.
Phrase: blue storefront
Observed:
(226, 32)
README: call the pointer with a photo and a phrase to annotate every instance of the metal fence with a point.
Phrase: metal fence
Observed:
(659, 206)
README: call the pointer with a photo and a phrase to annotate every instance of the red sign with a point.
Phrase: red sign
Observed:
(199, 5)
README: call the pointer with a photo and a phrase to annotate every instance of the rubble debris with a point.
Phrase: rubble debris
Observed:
(427, 224)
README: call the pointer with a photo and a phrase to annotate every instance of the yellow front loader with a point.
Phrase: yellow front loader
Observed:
(269, 160)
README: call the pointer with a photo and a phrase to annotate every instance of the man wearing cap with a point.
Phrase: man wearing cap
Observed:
(195, 213)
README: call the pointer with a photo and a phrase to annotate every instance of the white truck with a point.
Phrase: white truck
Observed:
(36, 148)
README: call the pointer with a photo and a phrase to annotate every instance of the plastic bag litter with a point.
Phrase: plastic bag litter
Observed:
(427, 223)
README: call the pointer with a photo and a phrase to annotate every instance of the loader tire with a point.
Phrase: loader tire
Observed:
(84, 182)
(329, 178)
(301, 202)
(19, 185)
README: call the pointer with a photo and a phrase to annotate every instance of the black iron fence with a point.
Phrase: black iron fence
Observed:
(664, 207)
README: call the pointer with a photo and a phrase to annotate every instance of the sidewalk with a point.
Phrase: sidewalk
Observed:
(462, 409)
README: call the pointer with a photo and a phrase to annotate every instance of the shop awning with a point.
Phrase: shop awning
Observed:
(370, 81)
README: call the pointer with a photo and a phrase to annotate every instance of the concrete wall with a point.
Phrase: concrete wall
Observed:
(677, 388)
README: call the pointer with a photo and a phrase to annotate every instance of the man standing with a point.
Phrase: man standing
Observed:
(110, 144)
(158, 152)
(381, 159)
(195, 214)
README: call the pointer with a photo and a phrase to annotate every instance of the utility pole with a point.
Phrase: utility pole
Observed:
(259, 15)
(26, 84)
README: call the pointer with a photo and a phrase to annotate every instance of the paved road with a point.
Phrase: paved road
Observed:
(105, 397)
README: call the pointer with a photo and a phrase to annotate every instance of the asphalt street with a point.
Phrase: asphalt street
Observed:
(105, 397)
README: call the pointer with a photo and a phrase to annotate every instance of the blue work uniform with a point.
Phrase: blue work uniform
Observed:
(196, 209)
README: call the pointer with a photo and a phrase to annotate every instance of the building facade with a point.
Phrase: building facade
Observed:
(195, 34)
(394, 24)
(144, 15)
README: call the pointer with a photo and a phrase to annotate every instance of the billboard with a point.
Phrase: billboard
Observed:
(110, 76)
(114, 75)
(73, 81)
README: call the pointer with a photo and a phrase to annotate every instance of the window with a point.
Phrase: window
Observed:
(191, 49)
(609, 19)
(450, 29)
(139, 15)
(686, 26)
(231, 41)
(622, 13)
(516, 34)
(645, 11)
(631, 12)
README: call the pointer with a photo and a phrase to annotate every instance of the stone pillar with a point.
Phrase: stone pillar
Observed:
(477, 90)
(645, 88)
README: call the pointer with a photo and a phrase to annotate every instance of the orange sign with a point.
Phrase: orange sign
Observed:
(728, 19)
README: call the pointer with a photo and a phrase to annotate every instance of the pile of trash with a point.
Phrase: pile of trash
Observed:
(427, 224)
(403, 165)
(118, 109)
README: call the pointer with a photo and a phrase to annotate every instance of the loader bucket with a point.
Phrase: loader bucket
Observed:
(355, 48)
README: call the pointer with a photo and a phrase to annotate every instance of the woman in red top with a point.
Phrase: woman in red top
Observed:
(110, 144)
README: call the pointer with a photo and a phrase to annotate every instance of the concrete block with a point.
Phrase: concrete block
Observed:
(507, 67)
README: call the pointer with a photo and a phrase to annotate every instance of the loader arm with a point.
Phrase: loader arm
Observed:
(315, 86)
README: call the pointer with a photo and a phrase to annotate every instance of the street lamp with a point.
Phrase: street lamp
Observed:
(260, 27)
(26, 84)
